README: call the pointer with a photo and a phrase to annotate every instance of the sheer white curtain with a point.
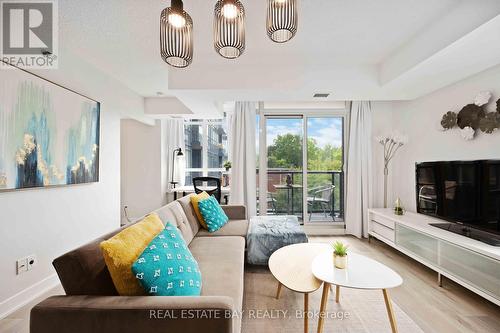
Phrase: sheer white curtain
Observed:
(173, 138)
(359, 169)
(243, 172)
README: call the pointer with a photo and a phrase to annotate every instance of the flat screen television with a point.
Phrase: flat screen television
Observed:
(466, 193)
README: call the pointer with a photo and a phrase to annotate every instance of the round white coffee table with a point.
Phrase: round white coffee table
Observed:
(291, 266)
(361, 273)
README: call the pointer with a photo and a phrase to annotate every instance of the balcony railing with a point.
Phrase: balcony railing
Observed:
(325, 194)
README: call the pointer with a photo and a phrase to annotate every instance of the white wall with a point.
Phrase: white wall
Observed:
(419, 120)
(142, 167)
(382, 124)
(49, 222)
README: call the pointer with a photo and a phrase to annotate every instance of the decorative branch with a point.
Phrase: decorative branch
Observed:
(392, 143)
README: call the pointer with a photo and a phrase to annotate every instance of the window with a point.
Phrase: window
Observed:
(301, 157)
(206, 148)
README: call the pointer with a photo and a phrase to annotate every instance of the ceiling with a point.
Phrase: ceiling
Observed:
(357, 49)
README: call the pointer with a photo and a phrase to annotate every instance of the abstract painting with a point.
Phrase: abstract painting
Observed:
(49, 135)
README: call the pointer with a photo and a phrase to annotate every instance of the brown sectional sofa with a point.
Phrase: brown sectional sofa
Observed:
(91, 303)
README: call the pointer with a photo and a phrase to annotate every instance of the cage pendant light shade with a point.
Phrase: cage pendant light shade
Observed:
(282, 20)
(229, 28)
(176, 36)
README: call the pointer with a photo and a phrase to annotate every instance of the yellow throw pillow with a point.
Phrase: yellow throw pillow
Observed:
(121, 250)
(194, 201)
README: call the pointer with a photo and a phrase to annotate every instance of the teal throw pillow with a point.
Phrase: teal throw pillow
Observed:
(167, 267)
(212, 213)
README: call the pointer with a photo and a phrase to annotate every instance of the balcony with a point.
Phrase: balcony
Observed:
(325, 195)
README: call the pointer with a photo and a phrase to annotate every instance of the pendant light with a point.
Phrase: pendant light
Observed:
(282, 20)
(176, 35)
(229, 28)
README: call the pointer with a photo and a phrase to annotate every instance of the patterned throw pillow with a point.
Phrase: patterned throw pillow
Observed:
(167, 267)
(195, 198)
(121, 250)
(213, 214)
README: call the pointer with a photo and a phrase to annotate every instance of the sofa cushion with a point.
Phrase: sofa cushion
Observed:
(221, 261)
(83, 271)
(185, 202)
(231, 228)
(167, 267)
(235, 212)
(121, 250)
(212, 213)
(174, 213)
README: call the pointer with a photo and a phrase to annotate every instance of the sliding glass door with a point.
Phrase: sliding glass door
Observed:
(284, 144)
(325, 180)
(302, 169)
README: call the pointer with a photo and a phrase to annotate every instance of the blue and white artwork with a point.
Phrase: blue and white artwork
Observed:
(49, 135)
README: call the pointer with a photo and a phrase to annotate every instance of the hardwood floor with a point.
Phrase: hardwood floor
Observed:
(450, 308)
(18, 321)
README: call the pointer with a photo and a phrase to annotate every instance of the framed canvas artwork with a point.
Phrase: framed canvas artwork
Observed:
(49, 135)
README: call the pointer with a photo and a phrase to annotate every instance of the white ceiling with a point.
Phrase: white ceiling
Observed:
(357, 49)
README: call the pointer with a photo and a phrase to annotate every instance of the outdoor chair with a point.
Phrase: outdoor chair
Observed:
(321, 196)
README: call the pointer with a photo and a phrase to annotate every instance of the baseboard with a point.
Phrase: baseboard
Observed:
(324, 230)
(27, 295)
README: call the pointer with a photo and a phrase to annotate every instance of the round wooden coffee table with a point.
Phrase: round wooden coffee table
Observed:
(291, 266)
(361, 273)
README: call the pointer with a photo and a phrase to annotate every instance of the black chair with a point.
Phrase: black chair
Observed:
(211, 185)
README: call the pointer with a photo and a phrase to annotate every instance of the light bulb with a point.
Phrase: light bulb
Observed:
(230, 11)
(176, 20)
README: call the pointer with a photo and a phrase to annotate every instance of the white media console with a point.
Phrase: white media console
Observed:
(470, 263)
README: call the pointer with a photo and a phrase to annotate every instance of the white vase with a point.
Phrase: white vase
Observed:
(340, 261)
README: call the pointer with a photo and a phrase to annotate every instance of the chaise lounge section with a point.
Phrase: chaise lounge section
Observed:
(92, 304)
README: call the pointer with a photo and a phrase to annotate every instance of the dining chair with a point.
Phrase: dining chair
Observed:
(211, 185)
